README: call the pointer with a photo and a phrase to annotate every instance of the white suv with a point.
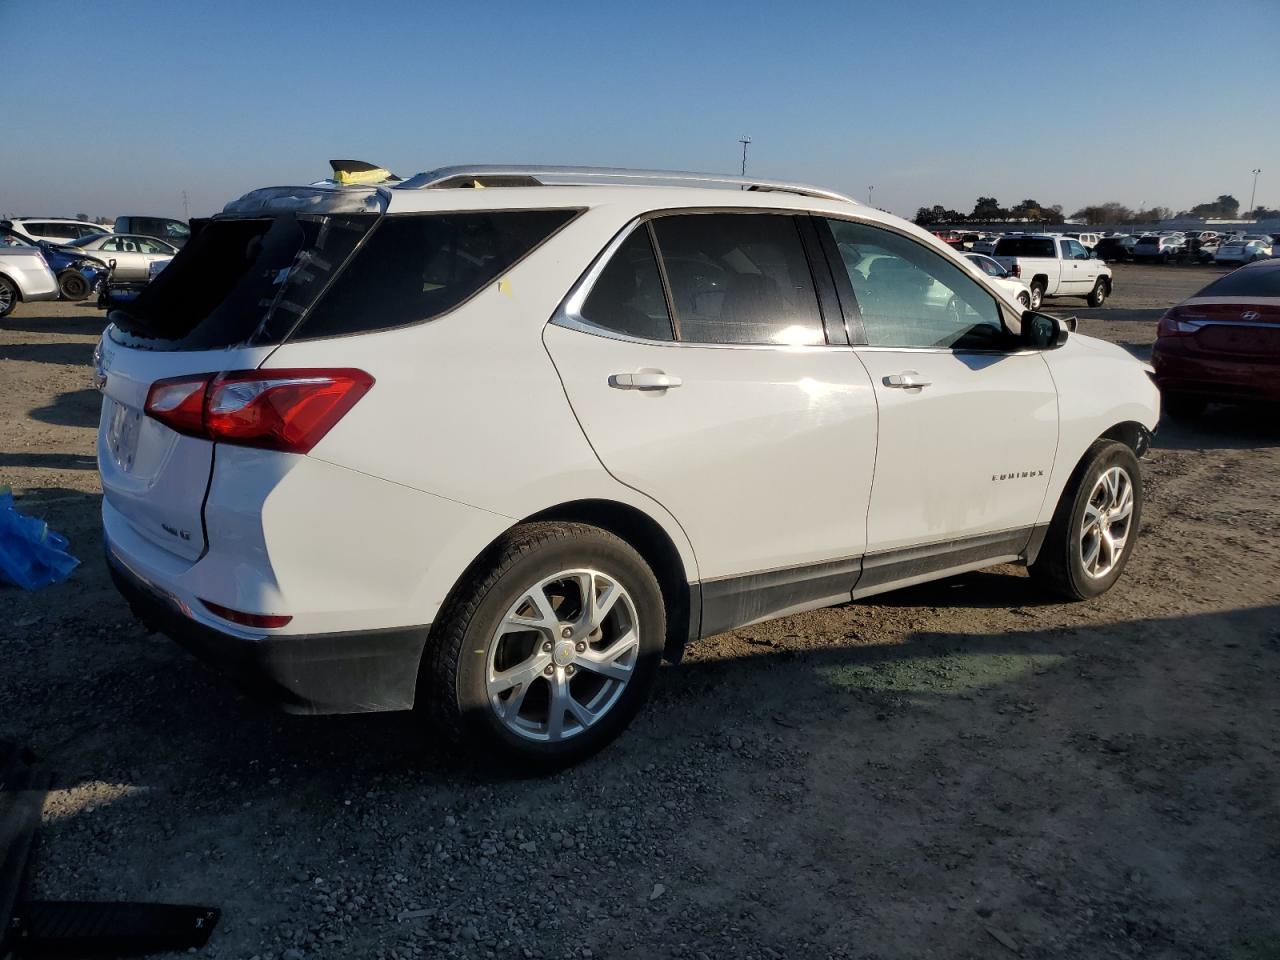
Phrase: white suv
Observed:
(499, 451)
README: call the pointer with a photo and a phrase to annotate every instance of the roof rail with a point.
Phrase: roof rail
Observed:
(527, 175)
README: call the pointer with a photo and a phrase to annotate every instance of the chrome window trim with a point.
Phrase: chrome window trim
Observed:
(1231, 323)
(569, 314)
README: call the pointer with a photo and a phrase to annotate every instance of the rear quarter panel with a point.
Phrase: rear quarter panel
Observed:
(468, 409)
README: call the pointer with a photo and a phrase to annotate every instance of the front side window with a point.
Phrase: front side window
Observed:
(739, 278)
(1074, 250)
(627, 296)
(910, 296)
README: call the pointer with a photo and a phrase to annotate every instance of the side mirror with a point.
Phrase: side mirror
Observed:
(1040, 331)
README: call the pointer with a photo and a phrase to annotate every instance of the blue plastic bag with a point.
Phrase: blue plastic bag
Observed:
(31, 555)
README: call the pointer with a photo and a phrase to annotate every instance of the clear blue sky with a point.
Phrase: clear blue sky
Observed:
(113, 107)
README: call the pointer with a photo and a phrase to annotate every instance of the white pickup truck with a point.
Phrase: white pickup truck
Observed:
(1054, 267)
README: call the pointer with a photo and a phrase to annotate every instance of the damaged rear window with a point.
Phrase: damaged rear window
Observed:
(259, 281)
(243, 281)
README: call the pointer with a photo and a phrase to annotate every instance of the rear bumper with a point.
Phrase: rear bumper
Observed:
(352, 672)
(1215, 377)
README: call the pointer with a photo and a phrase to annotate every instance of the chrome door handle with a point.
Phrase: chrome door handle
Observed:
(644, 381)
(909, 380)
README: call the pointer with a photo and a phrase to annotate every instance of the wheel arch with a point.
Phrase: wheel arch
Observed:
(17, 287)
(1042, 279)
(655, 545)
(642, 532)
(1132, 434)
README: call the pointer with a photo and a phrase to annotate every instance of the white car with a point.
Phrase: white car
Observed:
(1014, 288)
(53, 229)
(1243, 250)
(24, 275)
(133, 255)
(499, 451)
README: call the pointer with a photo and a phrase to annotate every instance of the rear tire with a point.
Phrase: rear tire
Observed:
(1025, 300)
(1098, 296)
(1183, 406)
(8, 296)
(516, 671)
(1095, 526)
(72, 286)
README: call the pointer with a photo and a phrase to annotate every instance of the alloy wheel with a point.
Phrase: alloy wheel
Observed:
(6, 297)
(1106, 524)
(562, 655)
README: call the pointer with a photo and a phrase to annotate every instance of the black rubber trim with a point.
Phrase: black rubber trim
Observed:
(892, 566)
(731, 602)
(350, 672)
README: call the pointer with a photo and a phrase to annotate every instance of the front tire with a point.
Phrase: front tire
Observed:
(1095, 527)
(548, 648)
(1098, 295)
(72, 286)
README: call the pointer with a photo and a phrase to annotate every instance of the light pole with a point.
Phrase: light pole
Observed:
(1254, 192)
(744, 141)
(869, 192)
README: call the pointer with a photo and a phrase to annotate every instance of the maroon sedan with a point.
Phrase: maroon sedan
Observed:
(1223, 344)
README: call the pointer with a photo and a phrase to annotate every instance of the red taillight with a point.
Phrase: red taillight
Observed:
(1175, 324)
(287, 410)
(1015, 270)
(179, 403)
(266, 621)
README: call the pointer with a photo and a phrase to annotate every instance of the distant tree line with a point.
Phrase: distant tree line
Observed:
(988, 210)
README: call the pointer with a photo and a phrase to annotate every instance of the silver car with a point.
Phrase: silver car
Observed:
(24, 275)
(133, 254)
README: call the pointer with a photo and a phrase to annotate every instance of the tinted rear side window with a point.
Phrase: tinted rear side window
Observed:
(415, 267)
(627, 296)
(1254, 282)
(739, 278)
(1025, 247)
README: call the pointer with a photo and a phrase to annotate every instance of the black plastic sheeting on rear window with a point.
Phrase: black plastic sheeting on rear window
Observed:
(242, 281)
(415, 267)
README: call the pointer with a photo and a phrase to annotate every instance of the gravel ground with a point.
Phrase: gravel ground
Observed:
(957, 770)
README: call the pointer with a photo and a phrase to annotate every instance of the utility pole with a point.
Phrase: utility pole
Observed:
(1253, 193)
(744, 140)
(869, 192)
(186, 211)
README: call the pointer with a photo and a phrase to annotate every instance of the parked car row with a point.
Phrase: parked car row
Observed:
(1197, 246)
(79, 266)
(61, 230)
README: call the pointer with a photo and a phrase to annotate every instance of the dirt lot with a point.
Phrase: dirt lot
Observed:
(960, 770)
